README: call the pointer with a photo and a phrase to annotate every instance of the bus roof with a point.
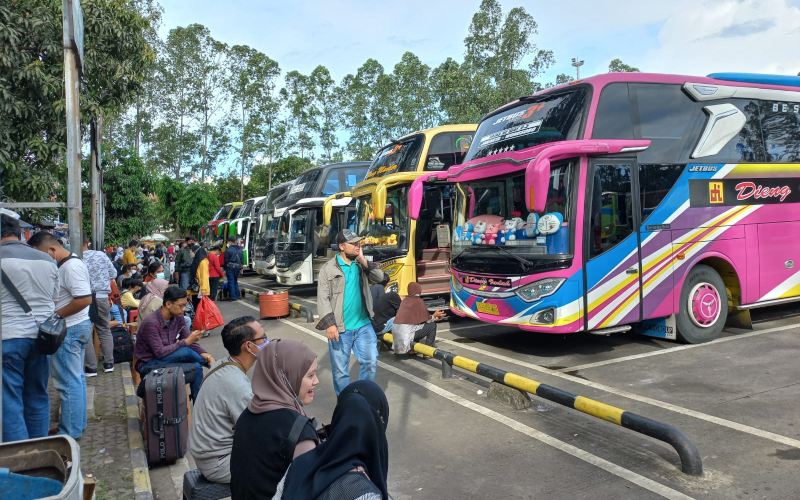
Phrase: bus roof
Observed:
(430, 132)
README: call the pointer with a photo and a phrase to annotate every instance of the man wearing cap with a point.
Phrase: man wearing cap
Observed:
(344, 303)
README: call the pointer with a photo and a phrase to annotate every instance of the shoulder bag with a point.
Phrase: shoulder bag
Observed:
(51, 331)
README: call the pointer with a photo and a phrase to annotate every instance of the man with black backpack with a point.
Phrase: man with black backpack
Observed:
(233, 266)
(26, 404)
(73, 297)
(183, 263)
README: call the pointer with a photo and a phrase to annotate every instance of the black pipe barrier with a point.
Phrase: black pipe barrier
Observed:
(306, 312)
(691, 462)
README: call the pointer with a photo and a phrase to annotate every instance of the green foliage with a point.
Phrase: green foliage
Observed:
(282, 171)
(617, 66)
(130, 208)
(196, 206)
(33, 128)
(169, 193)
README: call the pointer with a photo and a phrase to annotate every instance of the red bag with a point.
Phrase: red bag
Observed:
(207, 316)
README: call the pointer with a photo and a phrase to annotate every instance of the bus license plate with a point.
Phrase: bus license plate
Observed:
(487, 308)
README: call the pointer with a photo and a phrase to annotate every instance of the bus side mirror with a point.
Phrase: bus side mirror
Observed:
(536, 180)
(415, 195)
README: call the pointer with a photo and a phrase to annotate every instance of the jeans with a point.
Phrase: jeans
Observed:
(214, 284)
(180, 356)
(26, 405)
(184, 279)
(362, 342)
(66, 365)
(233, 282)
(103, 333)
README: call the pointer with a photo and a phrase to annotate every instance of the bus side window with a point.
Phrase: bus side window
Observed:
(447, 149)
(655, 181)
(612, 218)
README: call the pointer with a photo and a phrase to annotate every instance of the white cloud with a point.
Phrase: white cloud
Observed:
(730, 35)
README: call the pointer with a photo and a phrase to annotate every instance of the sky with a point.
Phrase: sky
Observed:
(693, 37)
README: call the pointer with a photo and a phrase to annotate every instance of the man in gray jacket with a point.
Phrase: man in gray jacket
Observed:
(344, 304)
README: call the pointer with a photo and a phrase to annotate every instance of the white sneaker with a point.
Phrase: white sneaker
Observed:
(108, 367)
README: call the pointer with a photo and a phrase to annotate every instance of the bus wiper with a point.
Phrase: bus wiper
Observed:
(525, 264)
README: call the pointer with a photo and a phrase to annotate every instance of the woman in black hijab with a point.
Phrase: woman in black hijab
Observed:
(354, 461)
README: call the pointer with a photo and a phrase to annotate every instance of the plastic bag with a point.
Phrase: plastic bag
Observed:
(207, 316)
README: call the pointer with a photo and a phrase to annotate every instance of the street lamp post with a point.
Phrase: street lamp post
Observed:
(577, 63)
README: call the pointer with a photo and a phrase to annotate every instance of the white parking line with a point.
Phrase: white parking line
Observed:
(621, 472)
(675, 349)
(753, 431)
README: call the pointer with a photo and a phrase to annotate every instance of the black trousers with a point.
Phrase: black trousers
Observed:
(426, 335)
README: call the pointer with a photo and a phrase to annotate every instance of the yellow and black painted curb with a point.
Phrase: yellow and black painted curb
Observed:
(691, 462)
(142, 489)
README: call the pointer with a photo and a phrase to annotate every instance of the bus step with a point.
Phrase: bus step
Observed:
(610, 330)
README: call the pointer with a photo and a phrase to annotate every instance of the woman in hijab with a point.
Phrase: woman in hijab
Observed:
(413, 322)
(200, 271)
(354, 461)
(154, 298)
(274, 429)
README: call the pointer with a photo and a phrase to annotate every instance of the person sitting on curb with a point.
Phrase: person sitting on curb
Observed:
(130, 287)
(163, 339)
(413, 323)
(226, 393)
(384, 305)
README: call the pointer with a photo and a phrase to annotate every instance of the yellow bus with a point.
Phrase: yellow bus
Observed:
(411, 250)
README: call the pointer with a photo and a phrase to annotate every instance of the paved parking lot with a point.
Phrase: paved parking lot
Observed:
(737, 398)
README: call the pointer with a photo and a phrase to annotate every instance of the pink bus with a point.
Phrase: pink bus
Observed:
(669, 204)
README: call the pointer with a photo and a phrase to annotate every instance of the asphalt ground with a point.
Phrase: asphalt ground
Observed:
(736, 398)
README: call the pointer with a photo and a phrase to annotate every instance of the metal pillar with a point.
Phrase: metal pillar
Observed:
(98, 199)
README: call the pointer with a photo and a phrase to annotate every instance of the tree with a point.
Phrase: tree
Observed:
(196, 206)
(251, 83)
(168, 193)
(298, 98)
(617, 66)
(326, 110)
(130, 206)
(367, 108)
(33, 127)
(414, 98)
(281, 171)
(494, 50)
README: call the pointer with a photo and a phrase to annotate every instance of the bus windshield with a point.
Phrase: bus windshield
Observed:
(397, 157)
(293, 229)
(535, 120)
(387, 238)
(495, 234)
(222, 212)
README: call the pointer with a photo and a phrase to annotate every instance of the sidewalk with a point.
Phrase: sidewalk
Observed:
(104, 445)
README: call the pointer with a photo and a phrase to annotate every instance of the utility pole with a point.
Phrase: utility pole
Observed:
(577, 63)
(98, 198)
(73, 67)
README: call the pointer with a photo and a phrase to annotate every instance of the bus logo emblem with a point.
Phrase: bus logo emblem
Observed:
(715, 195)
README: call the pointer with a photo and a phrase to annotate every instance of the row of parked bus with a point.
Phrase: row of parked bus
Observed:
(669, 204)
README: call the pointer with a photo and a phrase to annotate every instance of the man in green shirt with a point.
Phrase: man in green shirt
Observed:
(344, 304)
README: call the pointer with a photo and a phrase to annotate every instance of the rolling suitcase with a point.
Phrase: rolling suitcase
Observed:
(166, 415)
(123, 345)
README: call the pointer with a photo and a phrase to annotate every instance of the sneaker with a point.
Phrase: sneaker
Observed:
(108, 367)
(89, 372)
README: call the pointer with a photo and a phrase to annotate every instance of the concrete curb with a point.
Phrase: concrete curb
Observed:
(142, 488)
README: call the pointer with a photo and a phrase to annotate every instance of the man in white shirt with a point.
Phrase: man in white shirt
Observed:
(101, 272)
(26, 404)
(73, 298)
(226, 393)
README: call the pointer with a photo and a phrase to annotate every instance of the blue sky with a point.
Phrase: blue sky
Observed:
(677, 36)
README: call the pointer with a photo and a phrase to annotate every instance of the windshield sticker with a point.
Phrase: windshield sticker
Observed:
(386, 169)
(298, 188)
(463, 142)
(485, 281)
(522, 115)
(511, 133)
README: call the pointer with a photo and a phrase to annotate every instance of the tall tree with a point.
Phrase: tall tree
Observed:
(617, 66)
(251, 83)
(494, 50)
(130, 207)
(196, 206)
(33, 127)
(414, 99)
(298, 98)
(326, 110)
(366, 101)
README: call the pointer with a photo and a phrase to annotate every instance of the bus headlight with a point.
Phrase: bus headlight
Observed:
(539, 289)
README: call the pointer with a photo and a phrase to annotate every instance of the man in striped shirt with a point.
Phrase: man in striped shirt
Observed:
(101, 272)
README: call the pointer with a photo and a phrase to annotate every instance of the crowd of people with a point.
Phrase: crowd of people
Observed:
(255, 435)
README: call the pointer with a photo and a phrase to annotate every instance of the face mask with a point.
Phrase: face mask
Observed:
(259, 347)
(160, 276)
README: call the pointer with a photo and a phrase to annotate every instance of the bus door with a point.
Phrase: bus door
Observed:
(612, 256)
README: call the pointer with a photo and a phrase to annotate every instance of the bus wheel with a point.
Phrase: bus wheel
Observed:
(703, 307)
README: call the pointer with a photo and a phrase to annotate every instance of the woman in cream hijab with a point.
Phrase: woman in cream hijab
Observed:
(274, 429)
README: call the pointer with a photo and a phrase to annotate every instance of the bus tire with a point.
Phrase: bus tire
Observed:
(703, 306)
